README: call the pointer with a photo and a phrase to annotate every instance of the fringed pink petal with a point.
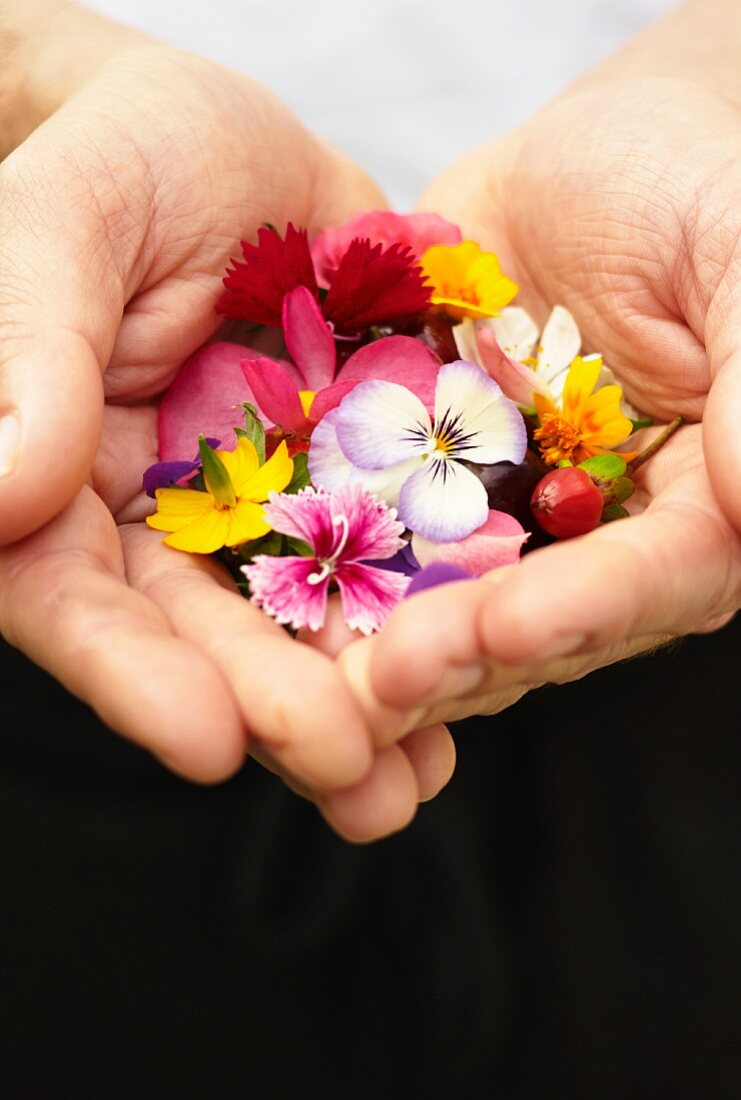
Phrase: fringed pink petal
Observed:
(369, 595)
(280, 586)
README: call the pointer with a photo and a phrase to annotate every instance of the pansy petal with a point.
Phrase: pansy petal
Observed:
(516, 332)
(380, 424)
(275, 394)
(397, 359)
(203, 400)
(280, 586)
(559, 346)
(272, 476)
(177, 508)
(497, 542)
(330, 469)
(204, 535)
(369, 595)
(308, 338)
(165, 474)
(485, 426)
(328, 466)
(443, 501)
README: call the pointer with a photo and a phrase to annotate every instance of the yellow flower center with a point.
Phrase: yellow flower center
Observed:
(558, 438)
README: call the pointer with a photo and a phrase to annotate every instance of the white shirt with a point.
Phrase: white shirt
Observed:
(402, 86)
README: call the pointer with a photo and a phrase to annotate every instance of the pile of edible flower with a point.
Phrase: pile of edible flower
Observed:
(409, 426)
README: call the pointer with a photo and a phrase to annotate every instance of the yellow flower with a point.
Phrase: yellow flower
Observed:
(227, 513)
(467, 282)
(587, 423)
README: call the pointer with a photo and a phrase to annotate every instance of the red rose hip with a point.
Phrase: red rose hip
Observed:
(566, 502)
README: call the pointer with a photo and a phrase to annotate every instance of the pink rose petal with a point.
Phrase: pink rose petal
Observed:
(497, 542)
(418, 231)
(397, 359)
(201, 400)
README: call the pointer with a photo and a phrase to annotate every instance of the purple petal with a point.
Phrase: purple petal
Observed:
(443, 501)
(403, 561)
(280, 586)
(369, 595)
(440, 572)
(309, 338)
(497, 542)
(164, 474)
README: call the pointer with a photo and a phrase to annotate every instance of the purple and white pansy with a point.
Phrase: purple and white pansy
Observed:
(382, 437)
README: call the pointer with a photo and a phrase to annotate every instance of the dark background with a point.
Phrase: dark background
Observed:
(562, 921)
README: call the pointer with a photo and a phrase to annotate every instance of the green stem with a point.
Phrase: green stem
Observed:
(656, 444)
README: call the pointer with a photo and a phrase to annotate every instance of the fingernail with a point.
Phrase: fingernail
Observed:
(10, 433)
(563, 645)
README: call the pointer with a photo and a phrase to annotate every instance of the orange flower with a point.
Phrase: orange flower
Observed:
(587, 423)
(466, 281)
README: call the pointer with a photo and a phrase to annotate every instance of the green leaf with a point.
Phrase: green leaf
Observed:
(604, 467)
(621, 489)
(253, 430)
(301, 477)
(564, 463)
(614, 511)
(216, 475)
(644, 422)
(299, 547)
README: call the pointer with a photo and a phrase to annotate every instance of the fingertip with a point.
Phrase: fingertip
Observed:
(432, 754)
(385, 802)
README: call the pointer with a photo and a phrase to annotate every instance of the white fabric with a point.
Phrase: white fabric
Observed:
(402, 86)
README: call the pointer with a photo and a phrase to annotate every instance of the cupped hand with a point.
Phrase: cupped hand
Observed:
(621, 202)
(117, 216)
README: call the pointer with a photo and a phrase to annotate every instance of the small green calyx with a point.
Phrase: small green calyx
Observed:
(253, 430)
(604, 467)
(216, 476)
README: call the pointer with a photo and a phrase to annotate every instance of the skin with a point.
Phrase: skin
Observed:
(621, 201)
(117, 215)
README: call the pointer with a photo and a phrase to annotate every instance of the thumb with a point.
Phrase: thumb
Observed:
(61, 301)
(720, 432)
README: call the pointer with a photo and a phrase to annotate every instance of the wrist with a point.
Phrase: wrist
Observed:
(49, 49)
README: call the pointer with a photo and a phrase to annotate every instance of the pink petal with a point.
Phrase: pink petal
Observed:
(276, 395)
(517, 380)
(418, 231)
(330, 397)
(497, 542)
(201, 400)
(369, 595)
(309, 338)
(397, 359)
(374, 532)
(280, 586)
